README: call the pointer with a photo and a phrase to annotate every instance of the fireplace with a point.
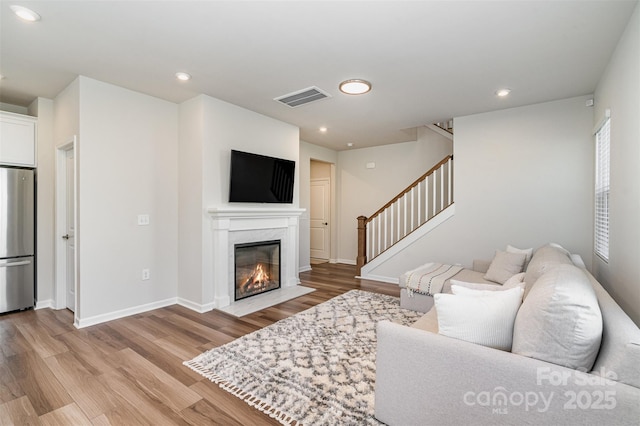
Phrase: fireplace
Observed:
(257, 268)
(231, 225)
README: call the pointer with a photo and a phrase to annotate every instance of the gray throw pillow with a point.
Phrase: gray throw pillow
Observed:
(505, 265)
(560, 321)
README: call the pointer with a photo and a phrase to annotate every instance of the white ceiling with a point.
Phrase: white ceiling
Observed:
(428, 60)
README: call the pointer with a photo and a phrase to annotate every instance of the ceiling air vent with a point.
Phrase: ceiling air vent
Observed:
(301, 97)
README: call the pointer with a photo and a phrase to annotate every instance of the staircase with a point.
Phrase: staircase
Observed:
(421, 205)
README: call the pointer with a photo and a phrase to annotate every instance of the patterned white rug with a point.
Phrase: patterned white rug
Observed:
(314, 368)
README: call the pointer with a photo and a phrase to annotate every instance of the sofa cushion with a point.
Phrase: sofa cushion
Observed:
(466, 275)
(515, 281)
(477, 316)
(544, 259)
(505, 265)
(427, 322)
(560, 320)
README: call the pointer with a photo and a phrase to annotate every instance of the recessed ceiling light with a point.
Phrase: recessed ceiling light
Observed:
(183, 76)
(355, 86)
(323, 129)
(350, 144)
(24, 13)
(503, 92)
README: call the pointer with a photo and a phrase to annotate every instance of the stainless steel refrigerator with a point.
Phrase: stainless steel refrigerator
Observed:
(17, 238)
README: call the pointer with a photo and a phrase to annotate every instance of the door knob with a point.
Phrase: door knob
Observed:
(65, 237)
(326, 223)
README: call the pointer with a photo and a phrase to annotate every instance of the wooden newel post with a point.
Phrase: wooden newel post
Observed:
(362, 243)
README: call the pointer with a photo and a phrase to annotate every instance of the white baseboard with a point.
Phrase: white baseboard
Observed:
(199, 308)
(345, 261)
(380, 278)
(43, 304)
(97, 319)
(304, 268)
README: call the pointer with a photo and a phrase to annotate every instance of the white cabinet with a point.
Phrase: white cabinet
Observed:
(17, 139)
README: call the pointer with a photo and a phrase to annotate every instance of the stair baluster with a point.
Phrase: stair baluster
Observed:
(420, 202)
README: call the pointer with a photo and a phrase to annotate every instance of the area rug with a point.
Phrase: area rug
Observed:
(314, 368)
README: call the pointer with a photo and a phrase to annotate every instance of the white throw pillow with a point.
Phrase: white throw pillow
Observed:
(504, 266)
(560, 320)
(528, 252)
(515, 281)
(479, 316)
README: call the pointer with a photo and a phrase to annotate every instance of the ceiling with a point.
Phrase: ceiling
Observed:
(428, 61)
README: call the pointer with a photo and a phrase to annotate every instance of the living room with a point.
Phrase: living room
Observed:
(169, 147)
(523, 175)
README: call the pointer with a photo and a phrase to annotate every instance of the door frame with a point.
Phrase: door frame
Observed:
(61, 224)
(329, 219)
(333, 221)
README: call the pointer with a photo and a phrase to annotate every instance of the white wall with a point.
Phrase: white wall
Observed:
(45, 224)
(523, 176)
(127, 165)
(219, 127)
(363, 191)
(619, 91)
(310, 152)
(66, 125)
(230, 127)
(191, 215)
(66, 114)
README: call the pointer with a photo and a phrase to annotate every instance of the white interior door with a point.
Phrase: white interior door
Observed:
(69, 237)
(319, 219)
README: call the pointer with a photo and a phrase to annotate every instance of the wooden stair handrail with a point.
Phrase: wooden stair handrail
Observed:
(410, 187)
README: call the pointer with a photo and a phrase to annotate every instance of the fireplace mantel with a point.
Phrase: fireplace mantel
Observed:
(233, 225)
(253, 212)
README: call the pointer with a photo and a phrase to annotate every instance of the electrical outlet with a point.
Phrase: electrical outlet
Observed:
(143, 219)
(146, 274)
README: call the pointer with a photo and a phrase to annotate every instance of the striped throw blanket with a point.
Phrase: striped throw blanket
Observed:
(429, 278)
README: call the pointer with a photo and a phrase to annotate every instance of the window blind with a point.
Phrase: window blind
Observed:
(601, 240)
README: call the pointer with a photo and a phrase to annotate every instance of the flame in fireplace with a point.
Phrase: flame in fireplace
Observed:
(257, 268)
(259, 275)
(258, 281)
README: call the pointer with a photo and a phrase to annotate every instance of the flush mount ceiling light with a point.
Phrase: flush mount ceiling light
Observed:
(323, 129)
(24, 13)
(355, 86)
(503, 92)
(183, 76)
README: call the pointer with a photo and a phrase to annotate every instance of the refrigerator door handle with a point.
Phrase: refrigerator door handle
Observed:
(21, 263)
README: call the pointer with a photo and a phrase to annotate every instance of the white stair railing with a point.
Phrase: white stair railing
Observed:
(418, 203)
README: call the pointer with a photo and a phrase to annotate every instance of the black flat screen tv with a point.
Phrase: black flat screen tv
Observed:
(257, 178)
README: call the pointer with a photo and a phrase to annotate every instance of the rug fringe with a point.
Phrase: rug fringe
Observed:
(252, 400)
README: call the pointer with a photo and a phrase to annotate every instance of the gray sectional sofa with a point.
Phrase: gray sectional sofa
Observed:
(575, 359)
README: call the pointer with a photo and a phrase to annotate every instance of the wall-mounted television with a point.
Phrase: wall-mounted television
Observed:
(257, 178)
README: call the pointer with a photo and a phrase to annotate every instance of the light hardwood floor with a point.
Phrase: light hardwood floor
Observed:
(129, 371)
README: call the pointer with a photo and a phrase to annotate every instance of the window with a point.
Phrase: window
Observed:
(601, 243)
